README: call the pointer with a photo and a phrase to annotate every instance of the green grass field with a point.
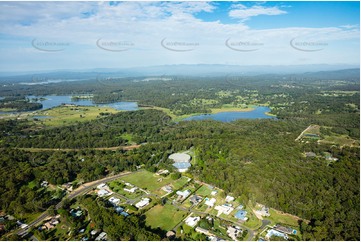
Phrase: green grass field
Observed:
(204, 191)
(147, 180)
(288, 219)
(340, 140)
(64, 115)
(165, 217)
(180, 183)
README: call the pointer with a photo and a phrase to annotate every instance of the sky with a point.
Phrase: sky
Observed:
(85, 35)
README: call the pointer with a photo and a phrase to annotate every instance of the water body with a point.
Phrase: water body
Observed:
(257, 113)
(54, 101)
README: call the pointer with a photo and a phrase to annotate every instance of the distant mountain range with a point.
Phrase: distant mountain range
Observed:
(317, 71)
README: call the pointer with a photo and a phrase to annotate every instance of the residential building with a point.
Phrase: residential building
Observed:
(203, 231)
(132, 190)
(192, 221)
(276, 233)
(284, 229)
(144, 202)
(195, 199)
(225, 208)
(167, 189)
(210, 202)
(114, 201)
(103, 192)
(183, 194)
(101, 236)
(229, 199)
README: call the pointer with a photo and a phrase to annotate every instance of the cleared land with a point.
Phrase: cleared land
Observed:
(67, 115)
(165, 217)
(147, 180)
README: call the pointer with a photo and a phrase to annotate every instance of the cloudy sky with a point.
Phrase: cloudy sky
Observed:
(83, 35)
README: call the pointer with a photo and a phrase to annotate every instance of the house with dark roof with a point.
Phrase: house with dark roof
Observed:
(195, 199)
(283, 229)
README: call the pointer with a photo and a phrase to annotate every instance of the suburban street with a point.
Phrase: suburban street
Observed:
(77, 192)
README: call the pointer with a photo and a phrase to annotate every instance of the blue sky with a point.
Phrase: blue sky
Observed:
(83, 35)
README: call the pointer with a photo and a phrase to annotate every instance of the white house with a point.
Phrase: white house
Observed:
(132, 190)
(114, 201)
(229, 199)
(211, 202)
(192, 221)
(224, 209)
(184, 194)
(144, 202)
(102, 186)
(103, 192)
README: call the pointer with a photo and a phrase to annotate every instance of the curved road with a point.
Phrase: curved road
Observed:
(77, 192)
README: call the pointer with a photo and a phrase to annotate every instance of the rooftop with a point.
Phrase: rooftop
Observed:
(180, 157)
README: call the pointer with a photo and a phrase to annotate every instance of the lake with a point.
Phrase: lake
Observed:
(257, 113)
(54, 101)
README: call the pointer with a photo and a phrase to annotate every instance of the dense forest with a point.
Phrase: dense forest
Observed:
(258, 160)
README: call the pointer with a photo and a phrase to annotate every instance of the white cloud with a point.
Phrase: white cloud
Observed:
(145, 24)
(240, 11)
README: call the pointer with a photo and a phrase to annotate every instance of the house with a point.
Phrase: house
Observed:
(132, 190)
(114, 201)
(167, 189)
(211, 202)
(49, 226)
(101, 236)
(162, 172)
(192, 221)
(144, 202)
(263, 212)
(241, 215)
(102, 186)
(213, 193)
(195, 199)
(233, 232)
(76, 213)
(229, 199)
(203, 231)
(129, 185)
(118, 209)
(225, 208)
(93, 232)
(67, 186)
(170, 234)
(103, 192)
(276, 233)
(184, 194)
(284, 229)
(44, 184)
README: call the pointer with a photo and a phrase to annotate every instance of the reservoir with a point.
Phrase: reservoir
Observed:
(257, 113)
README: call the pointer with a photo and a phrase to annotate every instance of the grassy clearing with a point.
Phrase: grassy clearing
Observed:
(147, 180)
(165, 217)
(204, 191)
(284, 218)
(67, 115)
(313, 129)
(180, 183)
(232, 108)
(342, 140)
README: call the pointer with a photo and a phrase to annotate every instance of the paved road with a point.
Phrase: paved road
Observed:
(77, 192)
